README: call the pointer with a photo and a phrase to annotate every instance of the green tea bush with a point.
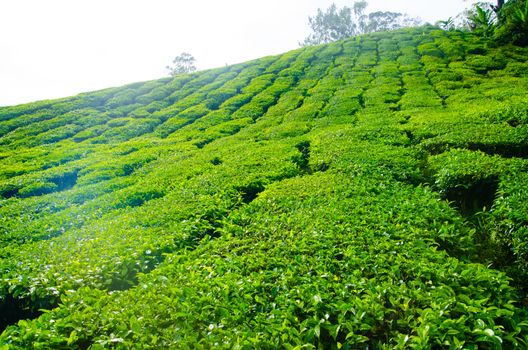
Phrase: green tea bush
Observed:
(509, 215)
(346, 309)
(368, 44)
(90, 133)
(445, 76)
(343, 103)
(282, 63)
(463, 169)
(454, 50)
(88, 117)
(381, 95)
(12, 124)
(369, 193)
(201, 79)
(256, 107)
(432, 64)
(95, 99)
(12, 112)
(414, 98)
(229, 128)
(183, 118)
(317, 70)
(358, 79)
(386, 69)
(517, 69)
(9, 189)
(514, 114)
(133, 128)
(235, 102)
(258, 84)
(155, 94)
(289, 101)
(330, 52)
(367, 59)
(136, 198)
(482, 64)
(122, 98)
(432, 50)
(56, 135)
(37, 189)
(217, 97)
(493, 139)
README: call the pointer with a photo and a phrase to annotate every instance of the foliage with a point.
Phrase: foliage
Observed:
(335, 24)
(380, 21)
(507, 22)
(367, 193)
(514, 22)
(183, 63)
(482, 19)
(448, 24)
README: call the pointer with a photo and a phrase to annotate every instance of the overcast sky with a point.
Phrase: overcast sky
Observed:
(58, 48)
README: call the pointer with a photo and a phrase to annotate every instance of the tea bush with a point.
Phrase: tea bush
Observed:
(368, 193)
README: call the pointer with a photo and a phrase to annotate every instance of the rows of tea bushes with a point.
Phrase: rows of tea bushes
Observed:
(111, 185)
(369, 193)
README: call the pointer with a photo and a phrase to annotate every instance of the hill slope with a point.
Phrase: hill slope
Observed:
(366, 193)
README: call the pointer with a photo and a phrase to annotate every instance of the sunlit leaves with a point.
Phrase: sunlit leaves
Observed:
(330, 197)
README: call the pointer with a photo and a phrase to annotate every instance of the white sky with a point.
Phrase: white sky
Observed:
(58, 48)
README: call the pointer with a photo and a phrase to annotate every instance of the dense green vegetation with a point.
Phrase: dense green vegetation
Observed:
(507, 22)
(369, 193)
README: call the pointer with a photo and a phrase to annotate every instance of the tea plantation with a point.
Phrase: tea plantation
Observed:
(366, 194)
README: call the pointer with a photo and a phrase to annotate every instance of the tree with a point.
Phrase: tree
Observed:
(482, 18)
(500, 3)
(496, 8)
(184, 63)
(513, 23)
(384, 20)
(331, 25)
(448, 24)
(334, 24)
(506, 22)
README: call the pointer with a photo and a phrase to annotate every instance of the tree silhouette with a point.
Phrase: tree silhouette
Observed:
(183, 63)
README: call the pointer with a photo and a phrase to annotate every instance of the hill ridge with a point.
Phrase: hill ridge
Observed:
(364, 193)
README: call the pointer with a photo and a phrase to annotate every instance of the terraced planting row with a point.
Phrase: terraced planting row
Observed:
(369, 193)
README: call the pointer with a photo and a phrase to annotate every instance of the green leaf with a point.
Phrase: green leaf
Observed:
(73, 337)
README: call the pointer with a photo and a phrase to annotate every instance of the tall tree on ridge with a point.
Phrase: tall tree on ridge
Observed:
(183, 63)
(338, 23)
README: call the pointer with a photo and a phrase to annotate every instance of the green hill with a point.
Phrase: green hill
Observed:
(371, 193)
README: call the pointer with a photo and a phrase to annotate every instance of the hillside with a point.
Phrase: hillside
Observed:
(370, 193)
